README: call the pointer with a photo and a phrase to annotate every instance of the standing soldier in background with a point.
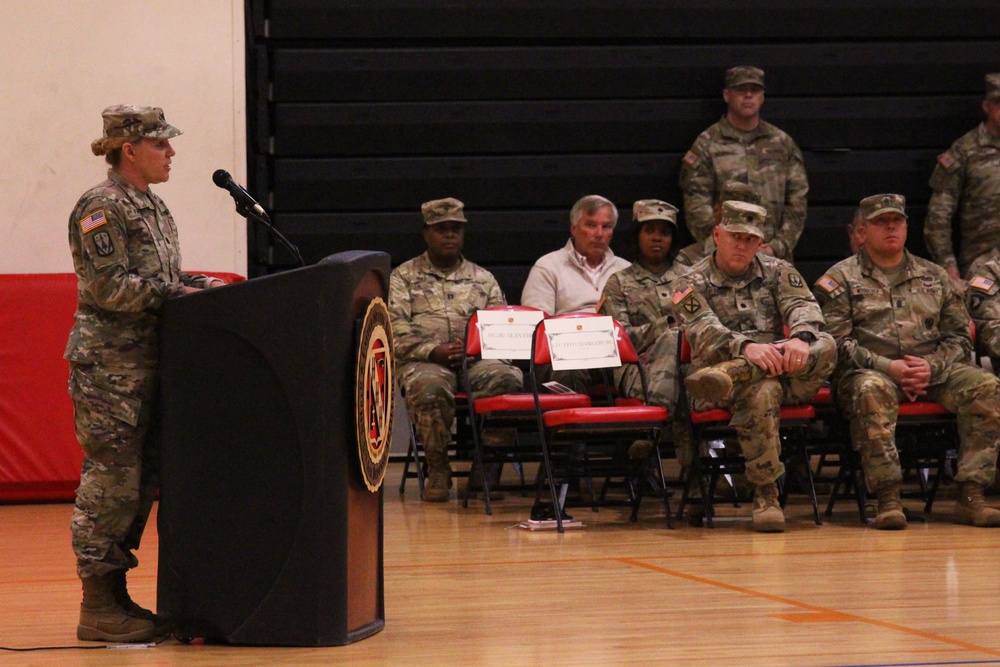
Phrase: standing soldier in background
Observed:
(742, 147)
(431, 299)
(966, 181)
(734, 306)
(127, 262)
(731, 191)
(984, 306)
(902, 333)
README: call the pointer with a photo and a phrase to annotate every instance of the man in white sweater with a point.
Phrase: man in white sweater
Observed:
(573, 277)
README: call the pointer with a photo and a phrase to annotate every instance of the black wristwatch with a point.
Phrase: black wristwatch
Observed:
(804, 336)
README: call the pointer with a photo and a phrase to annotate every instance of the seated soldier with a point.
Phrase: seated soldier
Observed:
(734, 306)
(731, 191)
(431, 299)
(984, 305)
(902, 333)
(639, 298)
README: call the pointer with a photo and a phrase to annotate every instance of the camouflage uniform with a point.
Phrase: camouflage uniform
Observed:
(429, 307)
(765, 158)
(920, 314)
(966, 180)
(721, 314)
(984, 305)
(127, 262)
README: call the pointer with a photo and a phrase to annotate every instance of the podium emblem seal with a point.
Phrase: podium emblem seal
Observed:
(375, 389)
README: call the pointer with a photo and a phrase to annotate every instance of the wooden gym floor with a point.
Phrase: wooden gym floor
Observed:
(464, 588)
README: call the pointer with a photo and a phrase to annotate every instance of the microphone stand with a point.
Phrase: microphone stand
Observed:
(263, 219)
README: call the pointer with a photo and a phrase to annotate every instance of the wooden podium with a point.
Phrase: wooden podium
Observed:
(269, 534)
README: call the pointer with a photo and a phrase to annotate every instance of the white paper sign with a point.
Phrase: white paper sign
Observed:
(586, 342)
(506, 334)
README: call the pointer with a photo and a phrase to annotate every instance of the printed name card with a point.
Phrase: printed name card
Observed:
(506, 334)
(587, 342)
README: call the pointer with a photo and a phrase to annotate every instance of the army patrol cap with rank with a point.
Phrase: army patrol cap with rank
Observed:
(744, 74)
(737, 191)
(654, 209)
(129, 120)
(440, 210)
(740, 217)
(876, 205)
(993, 86)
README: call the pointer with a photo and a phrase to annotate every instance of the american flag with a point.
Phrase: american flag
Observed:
(92, 221)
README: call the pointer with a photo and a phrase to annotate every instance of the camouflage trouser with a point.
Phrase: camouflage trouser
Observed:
(870, 400)
(118, 480)
(756, 408)
(430, 394)
(660, 364)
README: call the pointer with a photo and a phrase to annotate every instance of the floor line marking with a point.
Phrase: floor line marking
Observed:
(810, 607)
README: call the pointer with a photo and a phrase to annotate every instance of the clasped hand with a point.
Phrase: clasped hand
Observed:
(787, 356)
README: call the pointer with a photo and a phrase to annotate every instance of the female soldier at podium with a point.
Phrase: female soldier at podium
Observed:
(127, 262)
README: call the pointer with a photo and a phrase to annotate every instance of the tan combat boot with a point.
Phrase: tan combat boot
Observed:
(120, 590)
(971, 508)
(715, 383)
(438, 476)
(890, 512)
(767, 514)
(103, 620)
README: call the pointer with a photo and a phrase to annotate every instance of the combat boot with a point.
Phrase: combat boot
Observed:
(715, 383)
(103, 620)
(640, 450)
(971, 508)
(436, 488)
(125, 601)
(767, 514)
(890, 512)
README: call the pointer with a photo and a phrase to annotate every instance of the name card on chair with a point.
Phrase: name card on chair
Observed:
(587, 342)
(506, 334)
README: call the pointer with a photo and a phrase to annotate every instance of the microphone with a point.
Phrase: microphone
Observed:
(243, 199)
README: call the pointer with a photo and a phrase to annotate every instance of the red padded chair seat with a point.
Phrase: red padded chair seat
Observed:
(922, 409)
(515, 402)
(788, 413)
(590, 416)
(823, 397)
(628, 402)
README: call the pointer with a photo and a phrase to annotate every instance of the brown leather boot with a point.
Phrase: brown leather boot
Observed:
(890, 512)
(715, 383)
(125, 601)
(103, 620)
(767, 514)
(436, 488)
(971, 508)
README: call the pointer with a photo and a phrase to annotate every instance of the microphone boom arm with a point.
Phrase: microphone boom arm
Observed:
(263, 219)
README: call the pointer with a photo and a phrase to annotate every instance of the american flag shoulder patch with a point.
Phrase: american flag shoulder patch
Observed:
(680, 295)
(981, 282)
(946, 160)
(93, 221)
(690, 158)
(828, 284)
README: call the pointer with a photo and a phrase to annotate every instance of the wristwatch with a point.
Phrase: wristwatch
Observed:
(804, 336)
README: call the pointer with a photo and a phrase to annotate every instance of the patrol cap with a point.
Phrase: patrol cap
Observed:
(876, 205)
(993, 86)
(654, 209)
(742, 74)
(129, 120)
(740, 217)
(737, 191)
(441, 210)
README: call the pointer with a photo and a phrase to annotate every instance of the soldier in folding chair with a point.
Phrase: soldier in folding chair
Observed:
(734, 306)
(902, 334)
(431, 297)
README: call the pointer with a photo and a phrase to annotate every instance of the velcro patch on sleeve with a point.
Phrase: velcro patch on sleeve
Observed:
(827, 284)
(680, 295)
(946, 161)
(982, 283)
(690, 158)
(93, 221)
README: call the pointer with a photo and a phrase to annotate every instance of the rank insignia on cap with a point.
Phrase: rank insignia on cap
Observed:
(981, 282)
(946, 160)
(680, 295)
(93, 221)
(828, 283)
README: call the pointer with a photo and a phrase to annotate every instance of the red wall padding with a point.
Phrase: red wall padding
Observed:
(39, 456)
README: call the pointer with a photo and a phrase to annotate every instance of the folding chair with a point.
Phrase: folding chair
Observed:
(507, 334)
(591, 341)
(709, 464)
(459, 449)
